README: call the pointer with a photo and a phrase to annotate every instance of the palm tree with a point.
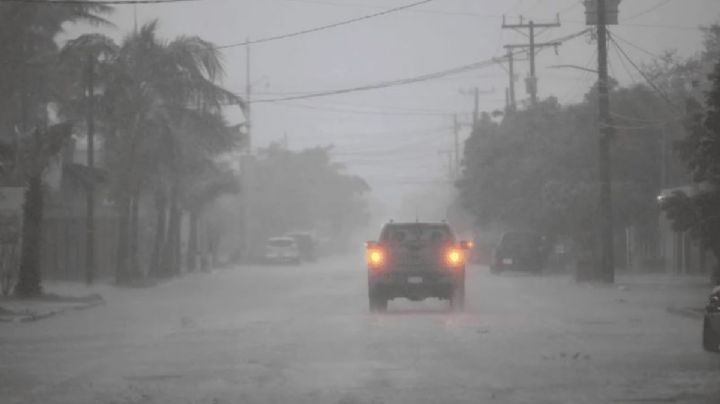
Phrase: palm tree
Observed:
(207, 181)
(29, 84)
(85, 62)
(163, 109)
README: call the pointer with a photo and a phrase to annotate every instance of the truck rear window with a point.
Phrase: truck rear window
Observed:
(415, 233)
(281, 243)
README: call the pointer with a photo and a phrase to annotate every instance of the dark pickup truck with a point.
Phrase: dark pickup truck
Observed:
(416, 261)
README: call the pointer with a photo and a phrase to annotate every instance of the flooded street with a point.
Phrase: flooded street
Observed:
(303, 334)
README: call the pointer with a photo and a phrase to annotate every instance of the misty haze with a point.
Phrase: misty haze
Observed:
(359, 201)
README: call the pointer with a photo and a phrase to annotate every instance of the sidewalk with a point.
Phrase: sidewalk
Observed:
(59, 298)
(684, 295)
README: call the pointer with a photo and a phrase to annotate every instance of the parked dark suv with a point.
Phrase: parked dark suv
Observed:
(520, 250)
(416, 261)
(306, 244)
(711, 323)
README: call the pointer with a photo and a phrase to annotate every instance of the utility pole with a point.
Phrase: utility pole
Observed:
(532, 46)
(511, 71)
(533, 77)
(248, 97)
(664, 169)
(247, 160)
(135, 18)
(476, 109)
(607, 254)
(475, 93)
(456, 138)
(90, 195)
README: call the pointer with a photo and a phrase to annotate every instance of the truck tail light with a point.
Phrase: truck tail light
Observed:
(454, 257)
(375, 257)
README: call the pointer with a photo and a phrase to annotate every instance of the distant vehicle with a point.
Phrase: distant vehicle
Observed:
(282, 250)
(306, 244)
(711, 323)
(416, 261)
(520, 250)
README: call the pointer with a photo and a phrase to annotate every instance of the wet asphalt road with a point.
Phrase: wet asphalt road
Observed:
(304, 335)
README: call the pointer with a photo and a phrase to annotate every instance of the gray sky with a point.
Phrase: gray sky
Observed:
(433, 37)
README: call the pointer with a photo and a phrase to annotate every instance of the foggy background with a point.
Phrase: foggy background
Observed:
(397, 138)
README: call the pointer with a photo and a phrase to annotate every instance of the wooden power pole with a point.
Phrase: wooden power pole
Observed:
(511, 70)
(532, 47)
(90, 195)
(606, 260)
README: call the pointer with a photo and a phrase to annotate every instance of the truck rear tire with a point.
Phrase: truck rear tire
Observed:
(378, 304)
(710, 339)
(457, 300)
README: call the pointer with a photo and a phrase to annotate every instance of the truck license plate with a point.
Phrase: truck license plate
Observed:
(507, 261)
(415, 279)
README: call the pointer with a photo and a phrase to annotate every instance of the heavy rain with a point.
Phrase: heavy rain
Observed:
(359, 201)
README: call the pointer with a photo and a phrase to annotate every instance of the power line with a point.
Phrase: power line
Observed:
(638, 47)
(361, 111)
(624, 65)
(428, 11)
(406, 81)
(90, 2)
(659, 26)
(572, 93)
(418, 131)
(324, 27)
(386, 84)
(649, 10)
(657, 89)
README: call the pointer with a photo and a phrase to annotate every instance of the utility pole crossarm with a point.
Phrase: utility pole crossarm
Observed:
(555, 24)
(537, 45)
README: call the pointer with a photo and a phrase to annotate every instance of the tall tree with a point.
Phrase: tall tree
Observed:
(698, 212)
(164, 108)
(30, 84)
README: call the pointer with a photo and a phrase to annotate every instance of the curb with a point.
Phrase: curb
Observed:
(688, 312)
(19, 317)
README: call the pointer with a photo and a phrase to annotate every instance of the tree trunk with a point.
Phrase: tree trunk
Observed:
(160, 234)
(123, 272)
(715, 274)
(29, 278)
(213, 243)
(192, 246)
(121, 263)
(172, 246)
(134, 235)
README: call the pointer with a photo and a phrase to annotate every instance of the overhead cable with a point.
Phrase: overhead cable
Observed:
(652, 85)
(92, 2)
(410, 80)
(649, 10)
(324, 27)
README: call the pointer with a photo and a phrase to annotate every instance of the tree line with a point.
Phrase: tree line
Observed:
(157, 108)
(536, 168)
